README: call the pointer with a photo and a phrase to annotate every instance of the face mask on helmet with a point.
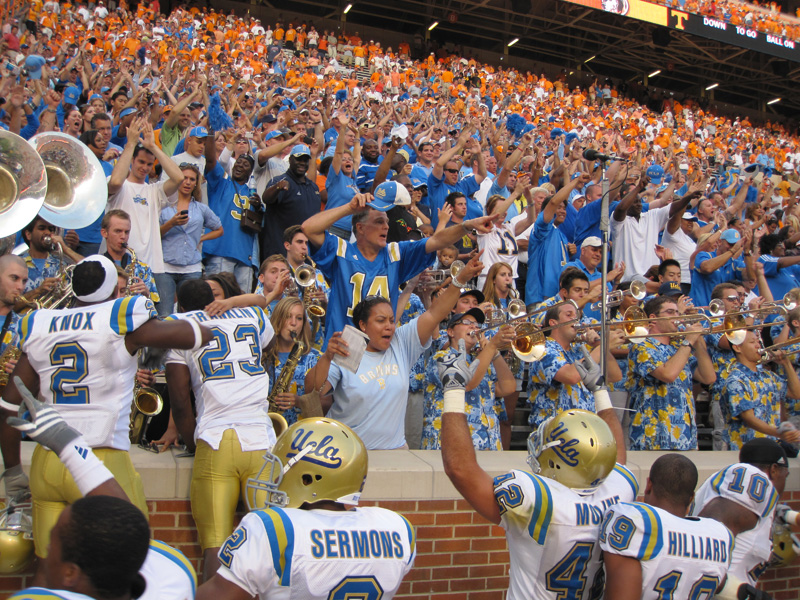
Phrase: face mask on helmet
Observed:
(575, 448)
(314, 460)
(785, 545)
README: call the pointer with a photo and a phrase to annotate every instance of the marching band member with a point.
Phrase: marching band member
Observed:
(291, 328)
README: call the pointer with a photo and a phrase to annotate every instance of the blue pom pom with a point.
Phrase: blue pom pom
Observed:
(341, 95)
(217, 117)
(515, 124)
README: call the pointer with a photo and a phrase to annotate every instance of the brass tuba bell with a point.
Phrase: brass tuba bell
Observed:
(23, 183)
(77, 191)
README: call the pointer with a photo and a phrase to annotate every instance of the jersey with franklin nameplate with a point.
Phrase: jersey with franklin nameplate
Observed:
(552, 533)
(229, 382)
(85, 370)
(319, 554)
(680, 557)
(749, 486)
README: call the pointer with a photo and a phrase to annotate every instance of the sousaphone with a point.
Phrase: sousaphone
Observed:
(77, 191)
(23, 183)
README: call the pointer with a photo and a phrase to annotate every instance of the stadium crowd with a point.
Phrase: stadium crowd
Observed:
(322, 222)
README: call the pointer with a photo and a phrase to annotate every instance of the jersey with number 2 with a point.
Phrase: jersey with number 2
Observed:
(319, 554)
(552, 533)
(84, 367)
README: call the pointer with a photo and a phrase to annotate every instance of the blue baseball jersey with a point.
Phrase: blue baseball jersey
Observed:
(353, 277)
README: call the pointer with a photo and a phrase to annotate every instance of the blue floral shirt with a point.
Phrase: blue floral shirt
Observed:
(548, 396)
(482, 417)
(140, 271)
(664, 412)
(41, 269)
(760, 391)
(297, 385)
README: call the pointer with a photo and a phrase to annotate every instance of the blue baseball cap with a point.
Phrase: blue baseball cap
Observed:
(731, 236)
(127, 111)
(655, 173)
(71, 95)
(389, 194)
(418, 183)
(272, 135)
(300, 150)
(198, 132)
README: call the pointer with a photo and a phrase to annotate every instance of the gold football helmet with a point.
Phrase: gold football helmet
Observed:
(575, 448)
(785, 545)
(314, 459)
(16, 537)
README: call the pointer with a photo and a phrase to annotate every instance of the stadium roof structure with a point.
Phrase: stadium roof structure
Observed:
(690, 51)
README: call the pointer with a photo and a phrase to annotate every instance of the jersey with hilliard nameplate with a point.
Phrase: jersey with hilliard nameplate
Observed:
(319, 554)
(680, 558)
(552, 533)
(749, 486)
(85, 371)
(229, 382)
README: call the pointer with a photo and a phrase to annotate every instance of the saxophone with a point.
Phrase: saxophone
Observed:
(12, 352)
(147, 402)
(282, 382)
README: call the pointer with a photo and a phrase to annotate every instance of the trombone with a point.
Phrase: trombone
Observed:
(769, 353)
(615, 298)
(516, 314)
(529, 342)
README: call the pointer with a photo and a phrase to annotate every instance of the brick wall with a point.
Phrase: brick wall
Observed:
(460, 555)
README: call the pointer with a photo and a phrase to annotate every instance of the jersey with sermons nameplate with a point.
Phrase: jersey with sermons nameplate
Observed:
(85, 370)
(319, 554)
(680, 557)
(552, 533)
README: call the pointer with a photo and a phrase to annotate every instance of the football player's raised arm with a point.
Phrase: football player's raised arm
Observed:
(623, 577)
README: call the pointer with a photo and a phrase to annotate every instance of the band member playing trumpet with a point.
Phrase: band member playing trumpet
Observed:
(660, 371)
(492, 379)
(316, 293)
(292, 335)
(42, 257)
(555, 380)
(753, 400)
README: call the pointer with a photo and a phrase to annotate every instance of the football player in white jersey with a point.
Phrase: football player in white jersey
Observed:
(552, 514)
(83, 361)
(760, 474)
(232, 429)
(651, 550)
(314, 543)
(166, 571)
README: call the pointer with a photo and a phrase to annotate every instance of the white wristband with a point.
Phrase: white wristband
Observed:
(85, 468)
(730, 590)
(454, 402)
(602, 401)
(198, 335)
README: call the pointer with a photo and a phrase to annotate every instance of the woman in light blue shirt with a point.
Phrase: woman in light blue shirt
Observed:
(182, 231)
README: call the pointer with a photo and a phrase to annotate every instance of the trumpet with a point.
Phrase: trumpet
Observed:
(306, 277)
(768, 353)
(528, 344)
(716, 308)
(615, 298)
